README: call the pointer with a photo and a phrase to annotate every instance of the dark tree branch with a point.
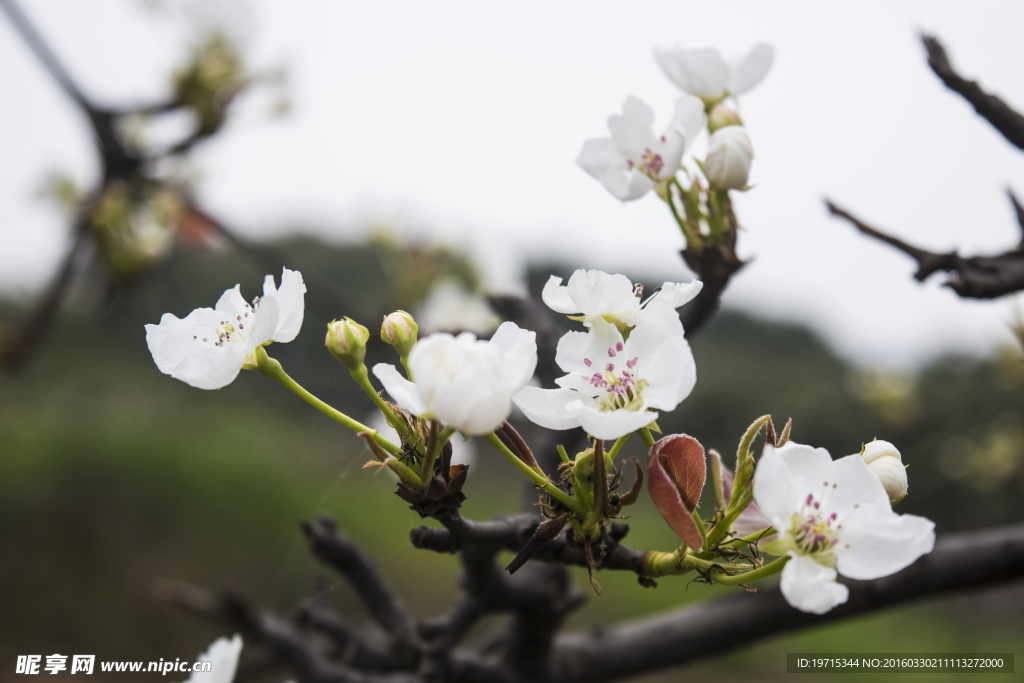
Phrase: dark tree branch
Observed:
(44, 54)
(337, 552)
(994, 110)
(289, 645)
(977, 277)
(959, 561)
(714, 266)
(32, 331)
(117, 161)
(1018, 210)
(513, 532)
(353, 646)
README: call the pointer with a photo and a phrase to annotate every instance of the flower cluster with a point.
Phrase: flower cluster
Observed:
(628, 362)
(635, 159)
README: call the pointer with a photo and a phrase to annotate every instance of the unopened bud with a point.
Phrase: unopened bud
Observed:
(722, 116)
(399, 330)
(346, 340)
(729, 155)
(885, 462)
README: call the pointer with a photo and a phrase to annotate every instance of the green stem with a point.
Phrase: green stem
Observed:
(431, 456)
(362, 378)
(272, 369)
(562, 454)
(752, 538)
(773, 567)
(646, 437)
(741, 493)
(700, 527)
(617, 446)
(691, 240)
(532, 474)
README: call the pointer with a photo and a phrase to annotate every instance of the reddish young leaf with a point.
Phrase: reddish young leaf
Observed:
(682, 457)
(675, 473)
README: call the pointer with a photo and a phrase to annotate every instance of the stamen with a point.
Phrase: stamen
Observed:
(587, 362)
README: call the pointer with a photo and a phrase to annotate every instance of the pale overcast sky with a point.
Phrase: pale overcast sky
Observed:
(464, 117)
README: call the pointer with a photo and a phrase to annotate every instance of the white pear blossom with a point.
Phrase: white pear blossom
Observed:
(223, 657)
(461, 381)
(614, 386)
(634, 158)
(885, 462)
(208, 347)
(730, 154)
(594, 293)
(706, 74)
(833, 517)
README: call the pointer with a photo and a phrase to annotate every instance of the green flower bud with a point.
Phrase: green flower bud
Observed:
(399, 330)
(721, 116)
(346, 340)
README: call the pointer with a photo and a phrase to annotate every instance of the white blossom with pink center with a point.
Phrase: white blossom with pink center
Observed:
(615, 385)
(833, 517)
(634, 158)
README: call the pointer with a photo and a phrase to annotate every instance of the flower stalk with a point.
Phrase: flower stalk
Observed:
(271, 368)
(540, 480)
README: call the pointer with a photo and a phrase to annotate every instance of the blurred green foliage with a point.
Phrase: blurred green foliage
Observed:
(113, 475)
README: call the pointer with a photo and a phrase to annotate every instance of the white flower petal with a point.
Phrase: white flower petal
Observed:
(577, 383)
(809, 466)
(598, 293)
(471, 405)
(674, 294)
(291, 305)
(689, 118)
(751, 69)
(547, 407)
(633, 132)
(556, 297)
(671, 151)
(638, 185)
(178, 350)
(811, 587)
(267, 316)
(673, 374)
(877, 542)
(231, 301)
(599, 155)
(575, 348)
(776, 491)
(705, 70)
(400, 389)
(610, 424)
(855, 486)
(519, 350)
(223, 657)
